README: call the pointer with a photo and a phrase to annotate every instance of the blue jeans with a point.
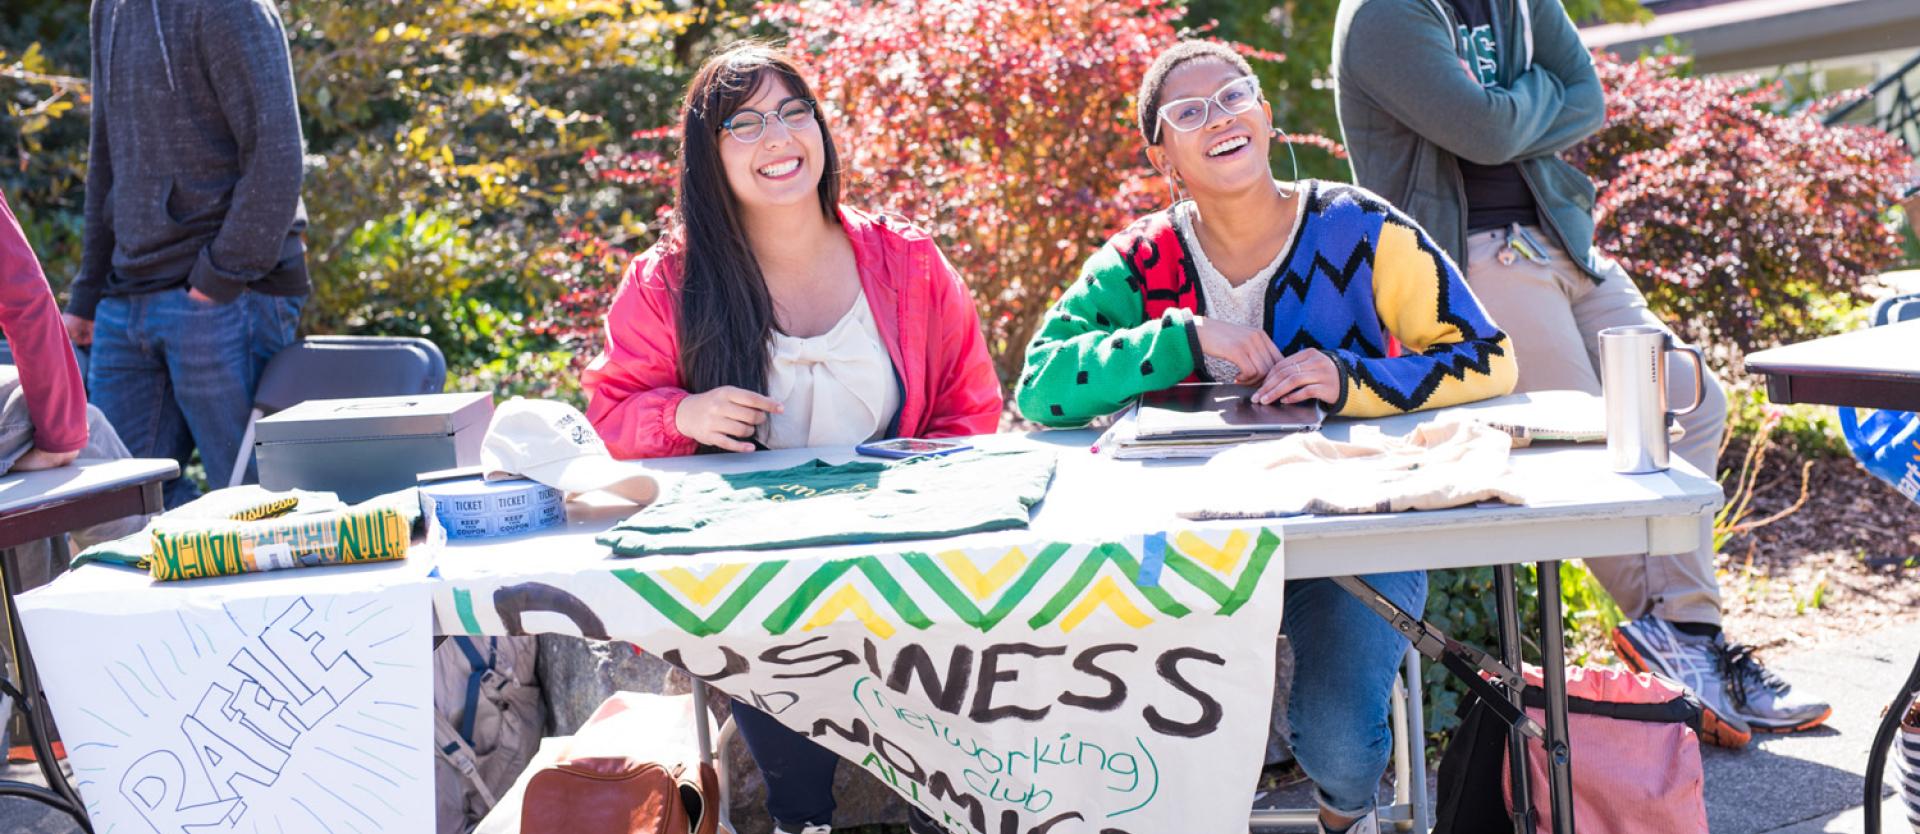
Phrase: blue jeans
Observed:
(172, 374)
(1344, 661)
(799, 772)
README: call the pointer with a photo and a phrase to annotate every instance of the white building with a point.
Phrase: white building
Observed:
(1815, 46)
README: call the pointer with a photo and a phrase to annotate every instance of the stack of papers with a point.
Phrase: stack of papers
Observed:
(1546, 416)
(1125, 443)
(1199, 420)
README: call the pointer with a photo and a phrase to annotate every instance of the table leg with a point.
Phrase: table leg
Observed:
(702, 734)
(1883, 741)
(1507, 607)
(1553, 671)
(58, 794)
(1417, 736)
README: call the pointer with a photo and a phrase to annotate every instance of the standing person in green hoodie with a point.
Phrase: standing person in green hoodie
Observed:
(1455, 111)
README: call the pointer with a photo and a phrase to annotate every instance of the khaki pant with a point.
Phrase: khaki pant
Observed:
(1554, 313)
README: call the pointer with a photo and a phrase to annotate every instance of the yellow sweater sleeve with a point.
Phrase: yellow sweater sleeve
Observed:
(1452, 352)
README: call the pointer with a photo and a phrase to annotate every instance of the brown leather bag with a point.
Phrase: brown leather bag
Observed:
(634, 768)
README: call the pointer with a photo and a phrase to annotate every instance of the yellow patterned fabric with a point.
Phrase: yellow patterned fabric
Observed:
(192, 550)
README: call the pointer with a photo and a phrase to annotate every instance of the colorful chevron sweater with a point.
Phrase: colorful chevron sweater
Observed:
(1362, 283)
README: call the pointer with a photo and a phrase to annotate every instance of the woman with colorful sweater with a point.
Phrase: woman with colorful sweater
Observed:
(773, 316)
(1303, 291)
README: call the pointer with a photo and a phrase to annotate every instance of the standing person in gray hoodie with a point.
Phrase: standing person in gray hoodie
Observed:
(195, 264)
(1455, 111)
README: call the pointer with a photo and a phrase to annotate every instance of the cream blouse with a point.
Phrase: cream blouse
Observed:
(837, 388)
(1244, 305)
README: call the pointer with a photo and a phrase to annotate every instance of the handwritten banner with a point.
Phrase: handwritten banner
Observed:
(284, 713)
(1045, 687)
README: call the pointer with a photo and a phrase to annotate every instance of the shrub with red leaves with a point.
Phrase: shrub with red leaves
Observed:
(1729, 215)
(1004, 128)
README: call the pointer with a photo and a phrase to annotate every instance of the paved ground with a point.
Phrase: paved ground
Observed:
(1808, 783)
(1811, 782)
(20, 816)
(1801, 784)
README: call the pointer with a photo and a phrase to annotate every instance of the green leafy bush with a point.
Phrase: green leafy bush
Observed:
(1462, 604)
(43, 134)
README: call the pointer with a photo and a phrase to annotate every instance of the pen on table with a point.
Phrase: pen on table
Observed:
(1104, 437)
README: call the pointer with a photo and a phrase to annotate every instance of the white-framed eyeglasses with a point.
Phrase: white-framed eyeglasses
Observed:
(749, 125)
(1190, 114)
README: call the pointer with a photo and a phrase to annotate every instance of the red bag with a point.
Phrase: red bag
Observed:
(633, 768)
(1636, 759)
(1636, 754)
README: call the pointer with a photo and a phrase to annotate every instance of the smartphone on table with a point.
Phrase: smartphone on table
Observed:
(910, 447)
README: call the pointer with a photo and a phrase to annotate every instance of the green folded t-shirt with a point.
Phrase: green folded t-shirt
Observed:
(817, 503)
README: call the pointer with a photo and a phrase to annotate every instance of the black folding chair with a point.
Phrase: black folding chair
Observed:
(339, 367)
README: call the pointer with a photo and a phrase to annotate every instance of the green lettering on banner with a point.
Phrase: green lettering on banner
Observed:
(463, 605)
(1129, 570)
(664, 602)
(949, 593)
(873, 760)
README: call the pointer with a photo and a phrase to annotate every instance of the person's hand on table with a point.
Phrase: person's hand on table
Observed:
(79, 330)
(1307, 375)
(724, 417)
(37, 459)
(1250, 350)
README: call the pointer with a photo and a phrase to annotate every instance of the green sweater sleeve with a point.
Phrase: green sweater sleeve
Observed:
(1558, 50)
(1096, 351)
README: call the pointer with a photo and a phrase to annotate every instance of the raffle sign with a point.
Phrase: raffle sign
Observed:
(193, 713)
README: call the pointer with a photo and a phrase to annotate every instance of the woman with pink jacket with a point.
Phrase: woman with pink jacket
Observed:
(767, 285)
(771, 316)
(31, 321)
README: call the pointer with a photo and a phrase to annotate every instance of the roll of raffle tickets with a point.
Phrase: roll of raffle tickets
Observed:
(471, 508)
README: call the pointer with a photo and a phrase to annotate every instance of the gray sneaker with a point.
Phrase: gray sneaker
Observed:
(782, 828)
(1369, 824)
(1767, 703)
(1650, 644)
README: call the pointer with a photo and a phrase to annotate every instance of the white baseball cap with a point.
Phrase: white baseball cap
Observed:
(552, 443)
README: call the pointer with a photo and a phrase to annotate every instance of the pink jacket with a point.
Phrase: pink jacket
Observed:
(923, 310)
(56, 401)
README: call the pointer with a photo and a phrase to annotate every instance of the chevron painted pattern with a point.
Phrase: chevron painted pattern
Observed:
(1037, 587)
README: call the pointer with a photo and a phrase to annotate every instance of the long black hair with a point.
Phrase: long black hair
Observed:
(726, 313)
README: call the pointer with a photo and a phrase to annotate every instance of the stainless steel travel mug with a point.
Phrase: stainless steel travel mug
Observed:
(1633, 376)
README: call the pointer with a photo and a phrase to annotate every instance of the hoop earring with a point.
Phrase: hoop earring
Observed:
(1173, 189)
(1282, 137)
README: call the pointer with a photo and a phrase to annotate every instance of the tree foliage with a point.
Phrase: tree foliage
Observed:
(446, 138)
(1004, 127)
(43, 134)
(1730, 215)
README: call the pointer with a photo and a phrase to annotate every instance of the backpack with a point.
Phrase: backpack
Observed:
(1636, 759)
(487, 723)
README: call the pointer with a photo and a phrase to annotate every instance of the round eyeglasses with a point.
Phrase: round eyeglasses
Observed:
(1190, 114)
(749, 125)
